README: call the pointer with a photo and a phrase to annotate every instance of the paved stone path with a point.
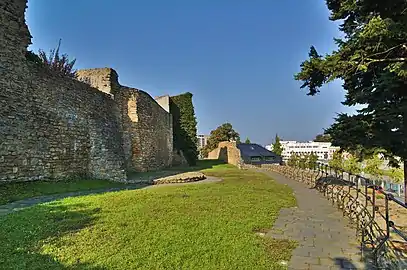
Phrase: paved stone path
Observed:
(325, 239)
(19, 205)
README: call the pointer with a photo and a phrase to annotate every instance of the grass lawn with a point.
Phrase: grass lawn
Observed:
(10, 192)
(203, 226)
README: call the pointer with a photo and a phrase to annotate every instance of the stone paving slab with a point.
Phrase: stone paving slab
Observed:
(21, 204)
(325, 239)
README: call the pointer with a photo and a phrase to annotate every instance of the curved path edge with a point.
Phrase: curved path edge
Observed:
(24, 203)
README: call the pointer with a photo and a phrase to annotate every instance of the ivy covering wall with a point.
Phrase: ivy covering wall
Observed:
(184, 126)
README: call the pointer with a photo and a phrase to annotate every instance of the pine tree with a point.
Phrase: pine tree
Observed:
(371, 60)
(277, 147)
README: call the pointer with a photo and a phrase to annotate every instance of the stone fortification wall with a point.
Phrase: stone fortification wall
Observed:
(53, 127)
(147, 125)
(147, 131)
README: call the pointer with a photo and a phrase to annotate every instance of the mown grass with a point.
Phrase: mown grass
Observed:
(10, 192)
(203, 226)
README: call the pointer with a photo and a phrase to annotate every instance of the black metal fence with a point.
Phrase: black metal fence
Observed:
(379, 217)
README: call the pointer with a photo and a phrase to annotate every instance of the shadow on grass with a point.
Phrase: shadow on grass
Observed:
(24, 233)
(148, 176)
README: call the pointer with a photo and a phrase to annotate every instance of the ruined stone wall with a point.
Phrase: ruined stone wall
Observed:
(51, 127)
(227, 152)
(147, 125)
(147, 131)
(104, 79)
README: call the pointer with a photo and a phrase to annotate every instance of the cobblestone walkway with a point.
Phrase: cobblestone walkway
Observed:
(325, 239)
(19, 205)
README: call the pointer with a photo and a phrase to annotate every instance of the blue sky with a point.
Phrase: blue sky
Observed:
(237, 57)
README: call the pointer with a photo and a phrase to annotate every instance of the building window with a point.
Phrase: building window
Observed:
(255, 158)
(269, 158)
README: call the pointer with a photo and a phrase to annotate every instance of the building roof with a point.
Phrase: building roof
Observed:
(254, 150)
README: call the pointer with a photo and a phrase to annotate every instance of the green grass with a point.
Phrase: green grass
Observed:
(203, 226)
(10, 192)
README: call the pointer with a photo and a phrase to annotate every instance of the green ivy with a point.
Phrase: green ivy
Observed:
(184, 126)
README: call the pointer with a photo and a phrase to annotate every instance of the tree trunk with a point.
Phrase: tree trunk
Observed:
(405, 181)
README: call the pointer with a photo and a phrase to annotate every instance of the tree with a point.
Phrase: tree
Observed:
(303, 161)
(371, 60)
(59, 64)
(277, 147)
(323, 138)
(373, 167)
(352, 165)
(396, 174)
(337, 162)
(247, 140)
(312, 160)
(225, 132)
(293, 160)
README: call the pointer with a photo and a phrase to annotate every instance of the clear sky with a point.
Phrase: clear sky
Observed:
(237, 57)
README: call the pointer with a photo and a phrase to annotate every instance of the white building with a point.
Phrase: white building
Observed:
(324, 150)
(202, 140)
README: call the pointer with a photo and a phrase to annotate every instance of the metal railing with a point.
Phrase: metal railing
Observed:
(379, 217)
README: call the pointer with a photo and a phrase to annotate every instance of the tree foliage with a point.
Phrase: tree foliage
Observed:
(323, 138)
(373, 167)
(371, 60)
(56, 63)
(293, 160)
(277, 147)
(352, 165)
(312, 160)
(247, 140)
(337, 161)
(396, 174)
(184, 126)
(303, 161)
(225, 132)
